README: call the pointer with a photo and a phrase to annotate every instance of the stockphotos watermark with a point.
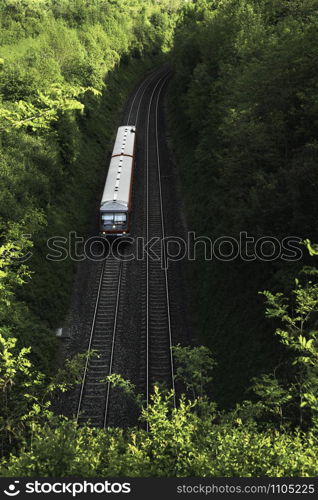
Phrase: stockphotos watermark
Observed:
(73, 488)
(173, 248)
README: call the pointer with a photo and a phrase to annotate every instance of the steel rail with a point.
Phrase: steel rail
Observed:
(90, 343)
(163, 246)
(113, 344)
(162, 81)
(145, 83)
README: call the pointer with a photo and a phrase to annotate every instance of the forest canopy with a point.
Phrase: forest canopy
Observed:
(244, 103)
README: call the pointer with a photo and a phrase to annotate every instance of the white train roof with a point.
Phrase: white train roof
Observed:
(117, 188)
(125, 140)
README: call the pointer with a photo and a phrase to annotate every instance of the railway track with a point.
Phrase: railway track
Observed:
(156, 335)
(95, 393)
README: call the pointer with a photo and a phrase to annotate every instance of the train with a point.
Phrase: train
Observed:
(115, 207)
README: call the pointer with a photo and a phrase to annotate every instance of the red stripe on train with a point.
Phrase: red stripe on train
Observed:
(123, 154)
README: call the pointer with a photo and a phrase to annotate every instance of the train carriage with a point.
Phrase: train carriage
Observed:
(115, 206)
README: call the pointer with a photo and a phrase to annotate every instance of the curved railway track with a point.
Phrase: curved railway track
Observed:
(156, 334)
(156, 361)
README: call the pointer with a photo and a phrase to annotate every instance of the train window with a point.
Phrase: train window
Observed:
(120, 218)
(114, 218)
(108, 218)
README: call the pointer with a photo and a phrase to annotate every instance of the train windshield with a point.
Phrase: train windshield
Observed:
(114, 219)
(119, 218)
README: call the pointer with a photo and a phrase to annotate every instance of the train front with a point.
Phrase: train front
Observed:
(114, 219)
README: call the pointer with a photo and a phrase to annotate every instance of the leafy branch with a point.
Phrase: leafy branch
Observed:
(46, 108)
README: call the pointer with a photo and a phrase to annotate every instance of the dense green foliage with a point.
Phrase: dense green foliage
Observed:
(244, 104)
(195, 439)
